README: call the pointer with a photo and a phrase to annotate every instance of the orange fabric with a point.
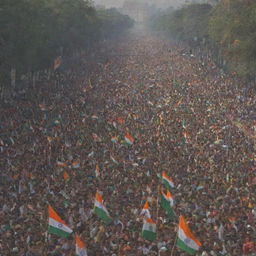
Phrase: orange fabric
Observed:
(150, 221)
(61, 164)
(54, 215)
(79, 242)
(66, 176)
(98, 197)
(184, 226)
(146, 205)
(164, 175)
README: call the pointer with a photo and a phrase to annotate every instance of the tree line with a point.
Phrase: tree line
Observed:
(227, 29)
(34, 32)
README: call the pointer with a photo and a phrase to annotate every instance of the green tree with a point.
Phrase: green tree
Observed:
(34, 32)
(232, 31)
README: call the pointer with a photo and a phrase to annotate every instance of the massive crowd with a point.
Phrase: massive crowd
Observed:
(187, 117)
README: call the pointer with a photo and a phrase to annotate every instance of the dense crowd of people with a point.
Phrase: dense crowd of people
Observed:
(187, 118)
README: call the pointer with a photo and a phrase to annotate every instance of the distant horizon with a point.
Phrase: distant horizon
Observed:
(159, 3)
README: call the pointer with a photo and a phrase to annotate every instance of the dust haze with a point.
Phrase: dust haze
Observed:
(158, 3)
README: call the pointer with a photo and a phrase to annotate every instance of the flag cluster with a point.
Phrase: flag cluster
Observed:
(58, 227)
(186, 241)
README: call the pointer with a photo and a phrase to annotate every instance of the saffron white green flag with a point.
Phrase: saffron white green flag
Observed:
(145, 211)
(56, 225)
(149, 230)
(166, 202)
(129, 139)
(167, 181)
(186, 240)
(80, 247)
(97, 171)
(100, 210)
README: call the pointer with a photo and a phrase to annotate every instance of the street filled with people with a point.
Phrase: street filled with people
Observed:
(66, 139)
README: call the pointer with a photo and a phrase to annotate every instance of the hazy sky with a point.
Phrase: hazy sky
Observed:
(119, 3)
(109, 3)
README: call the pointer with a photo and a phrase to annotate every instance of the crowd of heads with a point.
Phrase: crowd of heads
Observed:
(187, 117)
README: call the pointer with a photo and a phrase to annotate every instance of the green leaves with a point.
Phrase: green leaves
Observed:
(227, 28)
(34, 32)
(187, 23)
(232, 29)
(113, 22)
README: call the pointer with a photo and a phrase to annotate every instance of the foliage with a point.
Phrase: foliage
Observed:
(113, 22)
(228, 28)
(187, 23)
(34, 32)
(232, 29)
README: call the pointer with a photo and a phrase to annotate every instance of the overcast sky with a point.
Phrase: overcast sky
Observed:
(119, 3)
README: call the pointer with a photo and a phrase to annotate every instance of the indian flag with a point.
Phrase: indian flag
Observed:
(80, 247)
(56, 225)
(167, 181)
(61, 164)
(145, 211)
(186, 240)
(97, 171)
(186, 136)
(76, 164)
(167, 202)
(100, 210)
(129, 139)
(66, 176)
(168, 197)
(114, 139)
(149, 230)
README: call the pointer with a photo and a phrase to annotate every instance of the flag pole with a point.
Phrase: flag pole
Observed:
(158, 188)
(173, 248)
(47, 236)
(157, 213)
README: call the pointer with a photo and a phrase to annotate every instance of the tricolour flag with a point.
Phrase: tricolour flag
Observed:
(100, 210)
(166, 202)
(114, 139)
(61, 164)
(168, 197)
(129, 139)
(57, 63)
(145, 211)
(66, 176)
(186, 136)
(186, 240)
(167, 181)
(76, 164)
(149, 230)
(97, 171)
(56, 225)
(80, 247)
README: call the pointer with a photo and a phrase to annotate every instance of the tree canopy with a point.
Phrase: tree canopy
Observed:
(34, 32)
(228, 28)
